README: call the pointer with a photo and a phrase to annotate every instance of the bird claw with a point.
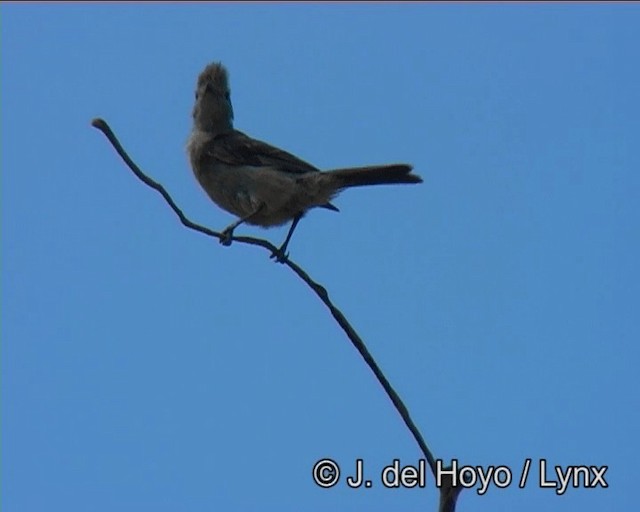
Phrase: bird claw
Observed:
(226, 237)
(279, 256)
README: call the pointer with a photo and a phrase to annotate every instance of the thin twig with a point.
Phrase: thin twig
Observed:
(448, 492)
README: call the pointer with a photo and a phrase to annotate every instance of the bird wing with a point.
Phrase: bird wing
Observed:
(236, 148)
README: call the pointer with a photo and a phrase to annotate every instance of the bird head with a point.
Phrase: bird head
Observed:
(213, 111)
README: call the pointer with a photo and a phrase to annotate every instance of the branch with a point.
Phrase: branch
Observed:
(448, 493)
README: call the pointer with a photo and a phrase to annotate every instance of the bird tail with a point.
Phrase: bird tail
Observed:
(374, 175)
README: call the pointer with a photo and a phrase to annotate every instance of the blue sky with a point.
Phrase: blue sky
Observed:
(145, 367)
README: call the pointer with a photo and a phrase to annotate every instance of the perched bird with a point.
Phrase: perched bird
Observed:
(259, 183)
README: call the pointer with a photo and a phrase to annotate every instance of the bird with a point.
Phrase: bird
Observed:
(259, 183)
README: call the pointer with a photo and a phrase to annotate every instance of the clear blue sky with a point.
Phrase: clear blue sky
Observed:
(145, 367)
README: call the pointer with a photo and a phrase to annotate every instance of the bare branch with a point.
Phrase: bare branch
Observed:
(448, 493)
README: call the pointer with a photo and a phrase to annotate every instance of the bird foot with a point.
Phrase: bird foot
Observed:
(279, 256)
(226, 237)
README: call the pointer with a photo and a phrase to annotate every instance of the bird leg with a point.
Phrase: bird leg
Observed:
(280, 255)
(227, 233)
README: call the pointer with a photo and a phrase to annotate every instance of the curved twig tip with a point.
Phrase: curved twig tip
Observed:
(98, 123)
